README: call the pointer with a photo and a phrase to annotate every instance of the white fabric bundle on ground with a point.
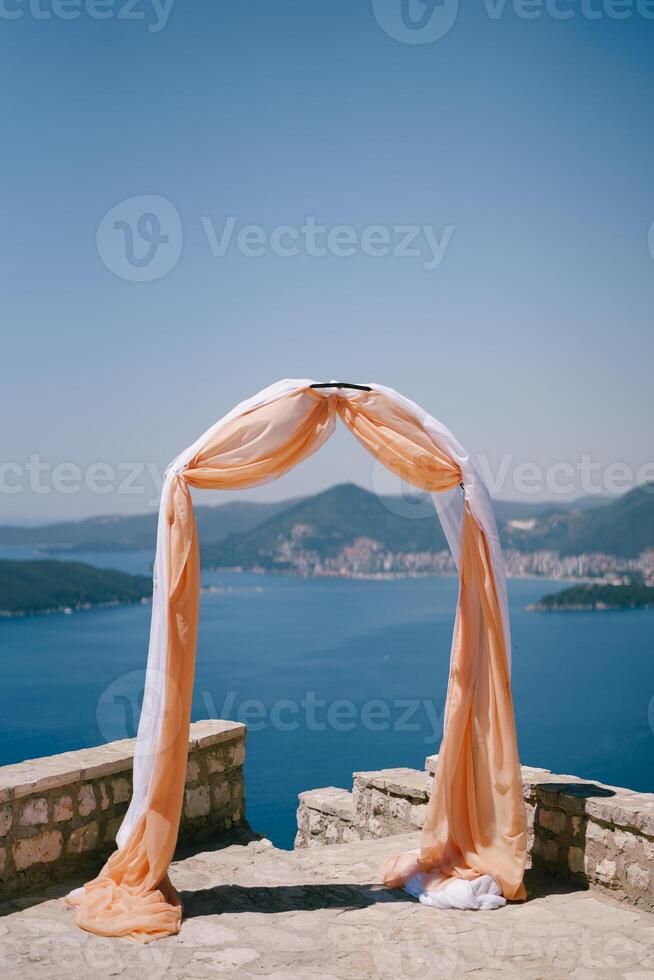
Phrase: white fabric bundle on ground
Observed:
(476, 895)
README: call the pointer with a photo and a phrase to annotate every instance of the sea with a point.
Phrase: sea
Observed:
(333, 676)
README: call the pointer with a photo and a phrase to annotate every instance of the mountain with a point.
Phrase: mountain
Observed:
(327, 522)
(507, 510)
(246, 534)
(44, 586)
(623, 527)
(114, 533)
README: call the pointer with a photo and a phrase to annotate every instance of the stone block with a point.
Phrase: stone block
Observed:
(418, 814)
(6, 820)
(213, 731)
(638, 878)
(576, 860)
(554, 820)
(42, 849)
(220, 794)
(400, 782)
(598, 834)
(192, 771)
(121, 790)
(331, 799)
(605, 870)
(34, 812)
(217, 760)
(105, 798)
(83, 838)
(236, 755)
(86, 800)
(197, 802)
(62, 809)
(546, 849)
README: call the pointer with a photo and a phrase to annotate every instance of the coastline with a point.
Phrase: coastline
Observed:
(69, 610)
(375, 576)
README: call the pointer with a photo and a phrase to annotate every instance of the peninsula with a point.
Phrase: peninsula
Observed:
(28, 587)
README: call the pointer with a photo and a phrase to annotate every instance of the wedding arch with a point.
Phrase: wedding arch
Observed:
(473, 845)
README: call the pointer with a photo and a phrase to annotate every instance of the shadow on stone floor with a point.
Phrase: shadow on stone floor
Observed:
(294, 898)
(280, 898)
(242, 835)
(285, 898)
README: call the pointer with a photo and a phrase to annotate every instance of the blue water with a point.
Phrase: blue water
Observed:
(334, 676)
(133, 562)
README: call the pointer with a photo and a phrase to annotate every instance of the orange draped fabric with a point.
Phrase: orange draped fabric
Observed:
(476, 821)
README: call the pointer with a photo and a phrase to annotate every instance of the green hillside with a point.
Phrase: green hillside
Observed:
(40, 586)
(623, 527)
(633, 596)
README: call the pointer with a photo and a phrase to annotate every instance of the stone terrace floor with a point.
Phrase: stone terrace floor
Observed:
(255, 911)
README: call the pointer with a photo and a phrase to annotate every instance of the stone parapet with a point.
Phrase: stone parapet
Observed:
(600, 836)
(59, 815)
(326, 816)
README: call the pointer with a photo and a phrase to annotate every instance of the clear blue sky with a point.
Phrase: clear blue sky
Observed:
(531, 139)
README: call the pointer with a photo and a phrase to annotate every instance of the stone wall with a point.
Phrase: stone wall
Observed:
(601, 836)
(59, 815)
